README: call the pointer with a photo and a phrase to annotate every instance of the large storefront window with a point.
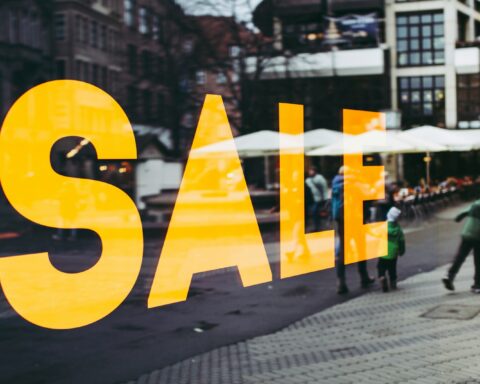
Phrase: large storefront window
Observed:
(468, 94)
(420, 39)
(422, 99)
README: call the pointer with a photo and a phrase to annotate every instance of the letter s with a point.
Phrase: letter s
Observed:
(37, 290)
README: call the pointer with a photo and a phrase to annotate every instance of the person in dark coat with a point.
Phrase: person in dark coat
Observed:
(470, 241)
(338, 217)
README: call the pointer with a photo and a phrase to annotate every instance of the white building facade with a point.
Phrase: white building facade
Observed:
(434, 60)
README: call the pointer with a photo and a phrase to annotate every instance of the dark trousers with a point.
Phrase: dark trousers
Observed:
(385, 266)
(466, 246)
(340, 256)
(315, 214)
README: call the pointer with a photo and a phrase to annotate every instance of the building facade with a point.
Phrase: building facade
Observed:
(318, 63)
(423, 64)
(435, 61)
(87, 42)
(25, 48)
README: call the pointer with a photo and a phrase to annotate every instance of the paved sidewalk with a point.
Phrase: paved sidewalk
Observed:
(376, 338)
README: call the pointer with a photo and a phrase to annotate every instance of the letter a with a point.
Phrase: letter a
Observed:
(213, 223)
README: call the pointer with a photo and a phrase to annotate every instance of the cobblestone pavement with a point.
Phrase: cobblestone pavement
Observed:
(417, 334)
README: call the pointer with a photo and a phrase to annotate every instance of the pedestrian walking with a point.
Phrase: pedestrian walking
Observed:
(396, 248)
(470, 241)
(318, 187)
(338, 217)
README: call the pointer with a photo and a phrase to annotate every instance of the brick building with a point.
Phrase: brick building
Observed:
(127, 48)
(25, 48)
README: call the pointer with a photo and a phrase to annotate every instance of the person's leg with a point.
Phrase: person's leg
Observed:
(392, 273)
(382, 270)
(462, 253)
(339, 259)
(365, 278)
(476, 260)
(316, 207)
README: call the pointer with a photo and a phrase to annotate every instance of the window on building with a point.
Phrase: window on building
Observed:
(82, 70)
(35, 31)
(147, 106)
(132, 59)
(104, 78)
(110, 40)
(234, 51)
(94, 34)
(95, 74)
(160, 69)
(23, 28)
(78, 70)
(81, 29)
(87, 72)
(146, 64)
(161, 110)
(200, 77)
(129, 12)
(103, 37)
(85, 24)
(462, 27)
(78, 29)
(132, 101)
(13, 26)
(188, 46)
(303, 34)
(114, 80)
(221, 78)
(468, 94)
(143, 25)
(422, 99)
(420, 39)
(60, 69)
(157, 28)
(60, 29)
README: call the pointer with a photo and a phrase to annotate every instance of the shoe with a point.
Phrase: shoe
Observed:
(448, 284)
(384, 284)
(475, 289)
(393, 285)
(342, 288)
(367, 282)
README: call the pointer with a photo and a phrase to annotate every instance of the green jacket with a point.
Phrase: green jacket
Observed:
(396, 241)
(471, 230)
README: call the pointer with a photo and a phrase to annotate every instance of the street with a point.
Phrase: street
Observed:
(135, 340)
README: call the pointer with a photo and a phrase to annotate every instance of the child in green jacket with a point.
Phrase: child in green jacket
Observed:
(396, 247)
(470, 241)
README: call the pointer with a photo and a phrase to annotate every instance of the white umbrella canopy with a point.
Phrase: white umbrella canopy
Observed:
(471, 135)
(444, 137)
(322, 137)
(420, 145)
(257, 144)
(368, 142)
